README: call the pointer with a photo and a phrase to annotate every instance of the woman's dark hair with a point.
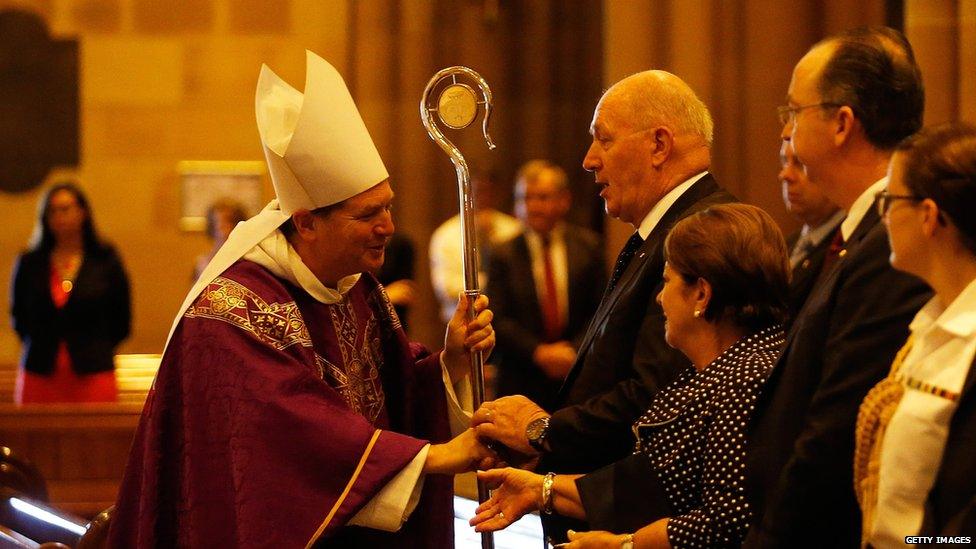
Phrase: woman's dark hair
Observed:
(740, 251)
(940, 164)
(229, 205)
(42, 237)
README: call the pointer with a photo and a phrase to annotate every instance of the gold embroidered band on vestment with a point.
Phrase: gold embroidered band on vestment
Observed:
(277, 324)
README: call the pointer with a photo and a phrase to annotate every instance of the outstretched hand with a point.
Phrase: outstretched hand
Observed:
(516, 492)
(506, 419)
(465, 452)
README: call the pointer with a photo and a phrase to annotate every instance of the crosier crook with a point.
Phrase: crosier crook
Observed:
(457, 107)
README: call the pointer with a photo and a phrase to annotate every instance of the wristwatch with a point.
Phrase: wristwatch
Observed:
(536, 431)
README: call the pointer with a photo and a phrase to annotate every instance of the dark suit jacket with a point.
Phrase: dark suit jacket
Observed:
(93, 322)
(623, 361)
(801, 443)
(951, 506)
(518, 317)
(623, 358)
(805, 274)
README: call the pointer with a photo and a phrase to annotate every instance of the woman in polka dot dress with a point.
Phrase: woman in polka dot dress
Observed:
(725, 286)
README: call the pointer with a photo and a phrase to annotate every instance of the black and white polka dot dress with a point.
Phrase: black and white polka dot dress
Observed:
(694, 434)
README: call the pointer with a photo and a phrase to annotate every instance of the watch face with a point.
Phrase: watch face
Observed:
(535, 429)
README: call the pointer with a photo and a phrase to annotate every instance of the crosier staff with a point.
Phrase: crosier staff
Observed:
(457, 107)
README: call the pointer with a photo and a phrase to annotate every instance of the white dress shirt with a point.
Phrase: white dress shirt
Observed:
(940, 358)
(860, 207)
(446, 256)
(560, 266)
(654, 216)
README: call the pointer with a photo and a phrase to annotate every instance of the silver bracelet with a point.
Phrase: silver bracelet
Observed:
(547, 483)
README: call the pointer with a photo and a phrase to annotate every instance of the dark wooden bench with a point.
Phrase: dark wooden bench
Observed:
(80, 449)
(134, 374)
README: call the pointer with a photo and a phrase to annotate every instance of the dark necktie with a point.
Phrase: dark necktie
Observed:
(804, 245)
(834, 252)
(630, 248)
(551, 318)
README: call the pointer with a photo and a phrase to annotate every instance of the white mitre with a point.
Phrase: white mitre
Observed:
(317, 146)
(318, 151)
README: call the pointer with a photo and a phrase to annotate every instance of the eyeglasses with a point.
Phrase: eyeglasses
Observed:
(787, 113)
(883, 199)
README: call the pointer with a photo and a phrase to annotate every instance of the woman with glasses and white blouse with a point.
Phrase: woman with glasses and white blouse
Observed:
(915, 463)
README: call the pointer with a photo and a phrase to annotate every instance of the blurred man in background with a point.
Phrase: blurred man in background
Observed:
(820, 218)
(544, 286)
(493, 228)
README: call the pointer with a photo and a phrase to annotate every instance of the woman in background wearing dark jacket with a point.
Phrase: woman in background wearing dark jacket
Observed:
(70, 305)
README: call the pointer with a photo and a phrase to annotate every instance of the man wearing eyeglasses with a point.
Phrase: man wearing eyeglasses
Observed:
(852, 98)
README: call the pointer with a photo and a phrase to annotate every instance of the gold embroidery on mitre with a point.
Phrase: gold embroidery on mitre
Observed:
(277, 324)
(357, 379)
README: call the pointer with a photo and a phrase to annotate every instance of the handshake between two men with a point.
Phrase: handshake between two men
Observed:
(521, 426)
(500, 434)
(514, 422)
(473, 449)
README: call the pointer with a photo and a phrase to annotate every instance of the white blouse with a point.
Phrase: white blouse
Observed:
(933, 373)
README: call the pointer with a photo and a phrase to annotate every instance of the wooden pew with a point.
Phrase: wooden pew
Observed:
(8, 378)
(80, 449)
(134, 374)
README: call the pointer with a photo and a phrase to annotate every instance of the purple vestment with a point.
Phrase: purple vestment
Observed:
(274, 418)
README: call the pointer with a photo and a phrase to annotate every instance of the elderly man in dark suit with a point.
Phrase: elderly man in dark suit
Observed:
(650, 155)
(852, 99)
(544, 286)
(820, 217)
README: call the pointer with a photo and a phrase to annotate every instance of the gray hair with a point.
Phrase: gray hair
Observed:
(659, 97)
